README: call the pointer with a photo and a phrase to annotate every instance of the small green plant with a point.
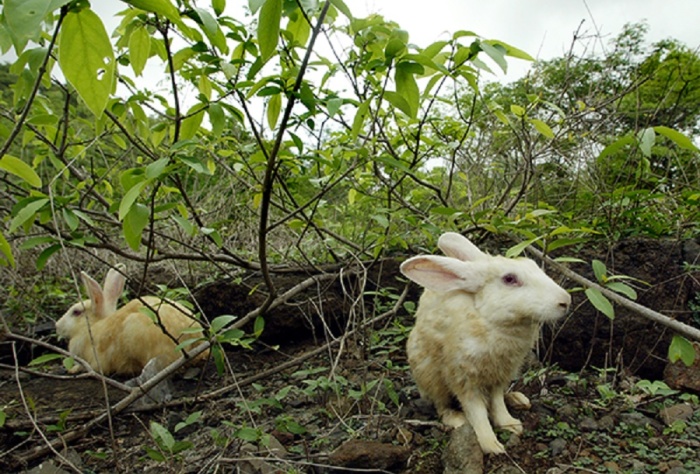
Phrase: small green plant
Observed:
(248, 434)
(610, 282)
(681, 349)
(678, 427)
(167, 447)
(287, 424)
(655, 388)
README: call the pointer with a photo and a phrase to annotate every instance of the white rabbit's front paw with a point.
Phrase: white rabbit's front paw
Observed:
(512, 424)
(491, 446)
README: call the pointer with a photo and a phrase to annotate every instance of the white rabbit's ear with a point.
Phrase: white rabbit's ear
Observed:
(95, 294)
(113, 288)
(457, 246)
(443, 274)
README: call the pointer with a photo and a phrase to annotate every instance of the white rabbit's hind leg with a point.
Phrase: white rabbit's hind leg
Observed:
(518, 400)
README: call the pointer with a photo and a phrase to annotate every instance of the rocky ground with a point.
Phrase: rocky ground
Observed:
(345, 411)
(302, 401)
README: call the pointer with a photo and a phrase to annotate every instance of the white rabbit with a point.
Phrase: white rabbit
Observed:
(477, 319)
(125, 339)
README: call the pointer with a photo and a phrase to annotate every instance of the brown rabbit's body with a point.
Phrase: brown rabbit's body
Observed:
(477, 319)
(125, 339)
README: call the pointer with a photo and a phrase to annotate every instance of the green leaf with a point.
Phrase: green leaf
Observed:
(43, 359)
(255, 5)
(45, 255)
(622, 288)
(20, 169)
(647, 137)
(130, 198)
(333, 106)
(195, 163)
(435, 48)
(677, 137)
(86, 58)
(27, 212)
(155, 169)
(247, 434)
(139, 49)
(398, 101)
(543, 128)
(161, 432)
(211, 28)
(71, 218)
(220, 322)
(359, 119)
(681, 349)
(516, 250)
(217, 118)
(394, 47)
(135, 222)
(600, 270)
(497, 53)
(214, 234)
(342, 7)
(600, 302)
(160, 7)
(24, 17)
(269, 27)
(517, 110)
(6, 253)
(274, 106)
(299, 28)
(219, 6)
(259, 326)
(512, 51)
(190, 126)
(407, 87)
(615, 146)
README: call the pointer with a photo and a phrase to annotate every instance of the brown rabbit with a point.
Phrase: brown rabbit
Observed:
(125, 339)
(476, 321)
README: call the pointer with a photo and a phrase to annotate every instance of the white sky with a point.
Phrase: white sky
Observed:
(543, 28)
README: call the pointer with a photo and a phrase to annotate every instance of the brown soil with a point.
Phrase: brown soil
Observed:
(358, 387)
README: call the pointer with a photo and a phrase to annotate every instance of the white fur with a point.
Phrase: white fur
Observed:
(123, 341)
(477, 319)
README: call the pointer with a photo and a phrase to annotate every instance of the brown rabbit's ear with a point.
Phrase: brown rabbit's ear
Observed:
(113, 288)
(95, 294)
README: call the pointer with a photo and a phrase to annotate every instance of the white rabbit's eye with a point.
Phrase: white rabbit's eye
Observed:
(511, 279)
(76, 312)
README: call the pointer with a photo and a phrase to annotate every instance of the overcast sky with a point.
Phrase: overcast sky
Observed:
(543, 28)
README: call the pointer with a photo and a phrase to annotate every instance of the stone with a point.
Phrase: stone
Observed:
(367, 454)
(255, 462)
(679, 412)
(589, 424)
(463, 454)
(557, 446)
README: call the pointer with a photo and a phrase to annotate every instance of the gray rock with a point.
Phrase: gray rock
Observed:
(557, 446)
(589, 424)
(679, 412)
(463, 454)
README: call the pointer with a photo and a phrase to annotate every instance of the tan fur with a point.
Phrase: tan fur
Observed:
(125, 340)
(470, 340)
